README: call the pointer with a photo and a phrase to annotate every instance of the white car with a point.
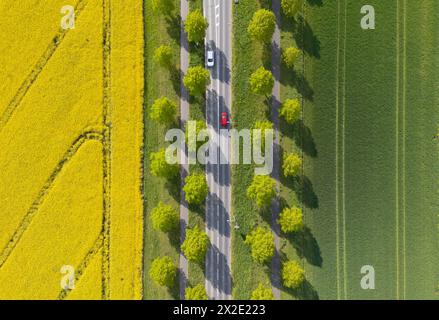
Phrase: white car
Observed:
(210, 58)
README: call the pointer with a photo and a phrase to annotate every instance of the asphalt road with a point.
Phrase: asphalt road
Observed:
(218, 203)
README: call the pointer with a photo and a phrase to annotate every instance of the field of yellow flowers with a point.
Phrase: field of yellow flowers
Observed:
(71, 135)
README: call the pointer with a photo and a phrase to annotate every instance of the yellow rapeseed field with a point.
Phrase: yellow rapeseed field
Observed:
(71, 136)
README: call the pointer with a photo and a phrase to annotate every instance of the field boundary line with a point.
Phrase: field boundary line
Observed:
(404, 106)
(106, 148)
(397, 145)
(37, 69)
(337, 102)
(343, 150)
(33, 210)
(84, 264)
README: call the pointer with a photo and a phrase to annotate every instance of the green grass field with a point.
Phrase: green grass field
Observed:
(372, 116)
(197, 112)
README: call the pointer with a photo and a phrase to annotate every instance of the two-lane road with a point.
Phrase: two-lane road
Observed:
(218, 203)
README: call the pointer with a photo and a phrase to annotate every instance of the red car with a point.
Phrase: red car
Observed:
(224, 119)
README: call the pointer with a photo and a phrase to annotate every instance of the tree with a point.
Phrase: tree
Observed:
(262, 293)
(199, 125)
(291, 220)
(263, 126)
(195, 245)
(160, 167)
(261, 242)
(195, 26)
(262, 25)
(292, 274)
(164, 217)
(163, 271)
(291, 165)
(196, 293)
(262, 81)
(195, 188)
(291, 7)
(163, 6)
(262, 190)
(163, 110)
(290, 110)
(290, 56)
(196, 80)
(163, 56)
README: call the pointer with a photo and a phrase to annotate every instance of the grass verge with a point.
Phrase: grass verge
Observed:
(247, 108)
(158, 82)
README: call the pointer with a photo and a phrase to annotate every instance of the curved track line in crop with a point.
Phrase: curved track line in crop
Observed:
(36, 70)
(84, 264)
(33, 210)
(106, 147)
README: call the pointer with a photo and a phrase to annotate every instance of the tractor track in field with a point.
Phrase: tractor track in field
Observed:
(79, 271)
(106, 147)
(37, 69)
(340, 147)
(33, 210)
(400, 134)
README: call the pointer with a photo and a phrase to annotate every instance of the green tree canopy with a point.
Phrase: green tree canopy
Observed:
(195, 245)
(263, 126)
(163, 110)
(163, 6)
(196, 80)
(290, 110)
(199, 125)
(163, 56)
(261, 81)
(196, 293)
(160, 167)
(163, 271)
(290, 56)
(261, 242)
(195, 26)
(195, 188)
(262, 25)
(291, 220)
(262, 293)
(164, 217)
(291, 7)
(291, 165)
(262, 190)
(292, 274)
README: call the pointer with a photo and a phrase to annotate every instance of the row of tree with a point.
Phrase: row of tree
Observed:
(262, 189)
(164, 217)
